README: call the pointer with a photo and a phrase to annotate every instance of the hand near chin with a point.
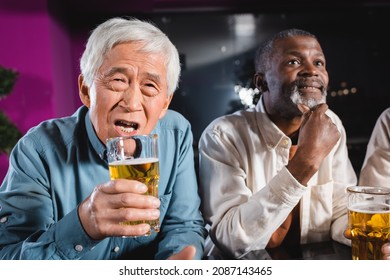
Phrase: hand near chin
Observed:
(318, 134)
(317, 137)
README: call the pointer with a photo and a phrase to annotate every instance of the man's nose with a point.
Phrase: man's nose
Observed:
(309, 69)
(132, 98)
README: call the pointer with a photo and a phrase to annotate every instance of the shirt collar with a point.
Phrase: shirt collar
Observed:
(97, 145)
(273, 135)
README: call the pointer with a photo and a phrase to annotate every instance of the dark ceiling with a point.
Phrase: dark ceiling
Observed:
(78, 12)
(164, 6)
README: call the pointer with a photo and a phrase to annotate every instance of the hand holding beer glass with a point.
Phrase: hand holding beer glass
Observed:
(136, 158)
(368, 220)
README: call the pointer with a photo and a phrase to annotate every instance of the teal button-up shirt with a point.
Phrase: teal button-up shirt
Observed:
(56, 165)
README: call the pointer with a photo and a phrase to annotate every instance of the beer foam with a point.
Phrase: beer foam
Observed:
(369, 208)
(134, 161)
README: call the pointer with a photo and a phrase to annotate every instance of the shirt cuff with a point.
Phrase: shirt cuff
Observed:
(71, 239)
(286, 187)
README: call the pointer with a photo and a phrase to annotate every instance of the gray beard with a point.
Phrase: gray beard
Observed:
(297, 98)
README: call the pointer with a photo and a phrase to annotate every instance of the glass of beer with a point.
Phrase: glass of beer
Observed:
(136, 158)
(368, 220)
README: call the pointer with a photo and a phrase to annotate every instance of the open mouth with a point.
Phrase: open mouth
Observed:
(312, 85)
(310, 88)
(126, 127)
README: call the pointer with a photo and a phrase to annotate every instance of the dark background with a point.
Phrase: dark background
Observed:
(217, 41)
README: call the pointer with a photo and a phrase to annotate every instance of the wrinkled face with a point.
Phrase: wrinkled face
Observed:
(129, 93)
(297, 74)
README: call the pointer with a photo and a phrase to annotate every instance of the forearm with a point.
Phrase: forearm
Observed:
(249, 225)
(175, 240)
(302, 169)
(62, 240)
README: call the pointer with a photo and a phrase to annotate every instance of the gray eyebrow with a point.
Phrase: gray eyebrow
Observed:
(123, 70)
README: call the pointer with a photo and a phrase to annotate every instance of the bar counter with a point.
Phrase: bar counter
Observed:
(329, 250)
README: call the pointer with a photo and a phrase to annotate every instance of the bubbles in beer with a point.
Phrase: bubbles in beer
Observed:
(370, 228)
(145, 170)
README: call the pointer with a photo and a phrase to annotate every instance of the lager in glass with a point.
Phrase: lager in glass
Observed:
(368, 221)
(136, 158)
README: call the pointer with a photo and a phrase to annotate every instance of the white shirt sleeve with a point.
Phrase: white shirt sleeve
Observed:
(376, 165)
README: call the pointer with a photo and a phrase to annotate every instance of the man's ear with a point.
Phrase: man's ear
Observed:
(84, 92)
(166, 105)
(260, 82)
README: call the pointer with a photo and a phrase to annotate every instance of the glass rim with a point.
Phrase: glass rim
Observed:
(152, 135)
(369, 190)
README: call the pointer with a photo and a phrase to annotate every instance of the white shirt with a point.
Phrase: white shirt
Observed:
(248, 192)
(376, 165)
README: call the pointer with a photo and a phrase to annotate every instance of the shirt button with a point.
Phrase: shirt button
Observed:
(78, 248)
(116, 249)
(3, 219)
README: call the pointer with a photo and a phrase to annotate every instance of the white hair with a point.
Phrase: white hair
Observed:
(120, 30)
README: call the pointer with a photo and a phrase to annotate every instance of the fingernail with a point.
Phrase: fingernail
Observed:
(146, 227)
(155, 214)
(303, 108)
(155, 202)
(142, 188)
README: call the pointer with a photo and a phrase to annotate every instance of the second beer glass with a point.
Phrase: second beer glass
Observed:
(369, 220)
(136, 158)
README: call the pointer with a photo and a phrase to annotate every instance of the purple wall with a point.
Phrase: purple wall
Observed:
(36, 46)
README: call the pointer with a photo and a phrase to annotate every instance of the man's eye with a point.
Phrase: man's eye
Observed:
(118, 84)
(294, 62)
(319, 63)
(150, 85)
(150, 89)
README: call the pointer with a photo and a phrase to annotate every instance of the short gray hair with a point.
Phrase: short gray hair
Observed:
(265, 52)
(120, 30)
